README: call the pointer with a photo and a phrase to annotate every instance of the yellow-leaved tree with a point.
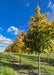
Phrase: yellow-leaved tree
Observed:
(18, 43)
(40, 36)
(9, 48)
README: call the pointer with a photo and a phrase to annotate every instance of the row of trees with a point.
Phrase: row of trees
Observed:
(18, 45)
(39, 37)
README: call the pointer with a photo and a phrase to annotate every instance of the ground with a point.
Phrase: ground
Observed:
(10, 64)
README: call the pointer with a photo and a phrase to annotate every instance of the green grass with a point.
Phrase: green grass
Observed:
(46, 58)
(33, 65)
(7, 71)
(29, 63)
(6, 66)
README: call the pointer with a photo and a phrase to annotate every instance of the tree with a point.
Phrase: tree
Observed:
(40, 34)
(9, 48)
(19, 44)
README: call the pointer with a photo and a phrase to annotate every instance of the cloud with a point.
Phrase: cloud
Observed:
(4, 42)
(28, 4)
(49, 4)
(52, 7)
(1, 29)
(2, 49)
(13, 30)
(51, 13)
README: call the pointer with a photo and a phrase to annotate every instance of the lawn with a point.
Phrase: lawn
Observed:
(9, 64)
(47, 62)
(6, 67)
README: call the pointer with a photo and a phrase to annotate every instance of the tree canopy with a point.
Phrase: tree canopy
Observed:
(40, 33)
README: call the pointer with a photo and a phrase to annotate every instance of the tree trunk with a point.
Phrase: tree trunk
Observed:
(39, 64)
(20, 60)
(48, 57)
(14, 56)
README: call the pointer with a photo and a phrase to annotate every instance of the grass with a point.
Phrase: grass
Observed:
(46, 58)
(7, 71)
(6, 66)
(33, 65)
(29, 64)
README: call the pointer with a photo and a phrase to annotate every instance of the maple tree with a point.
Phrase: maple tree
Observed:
(19, 44)
(40, 36)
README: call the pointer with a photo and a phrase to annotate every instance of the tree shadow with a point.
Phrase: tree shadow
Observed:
(42, 59)
(25, 69)
(21, 67)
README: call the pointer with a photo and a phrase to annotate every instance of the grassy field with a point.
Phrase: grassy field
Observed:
(6, 67)
(9, 64)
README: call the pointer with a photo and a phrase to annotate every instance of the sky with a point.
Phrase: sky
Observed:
(15, 15)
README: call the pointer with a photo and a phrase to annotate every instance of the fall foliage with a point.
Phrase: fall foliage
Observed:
(39, 37)
(40, 33)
